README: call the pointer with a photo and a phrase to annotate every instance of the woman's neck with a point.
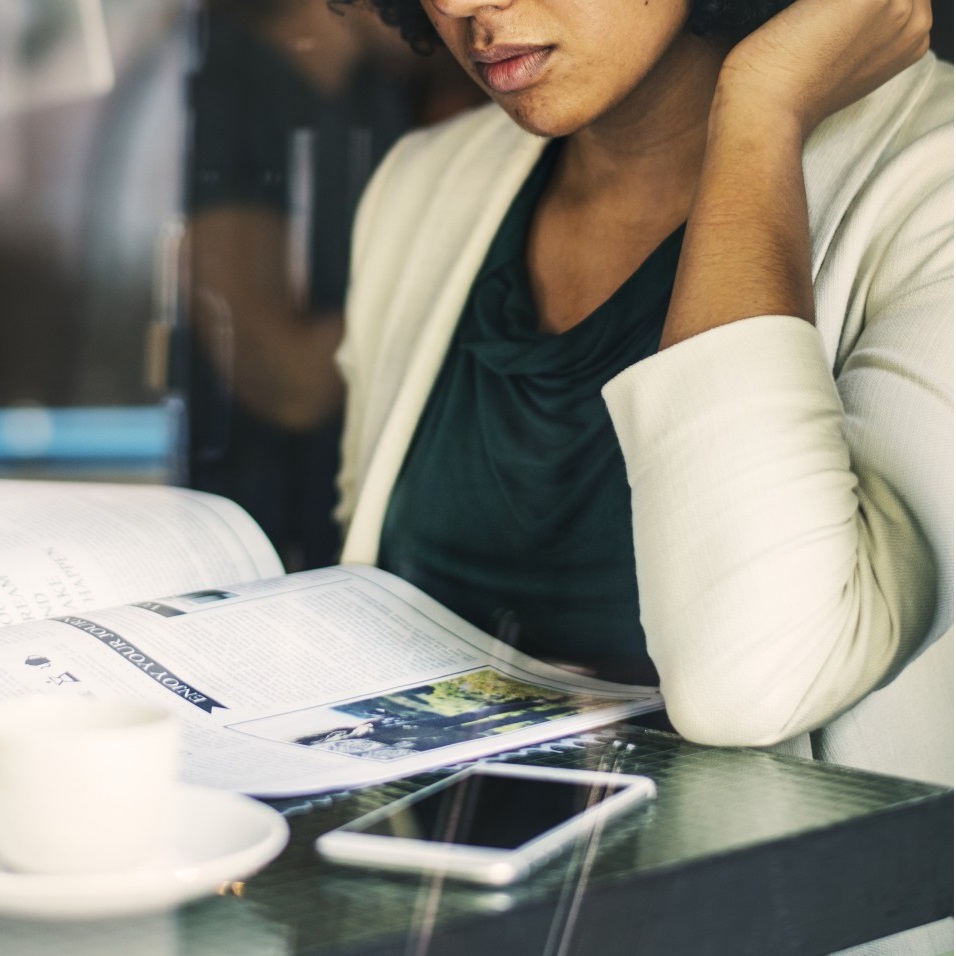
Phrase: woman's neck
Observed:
(620, 187)
(650, 146)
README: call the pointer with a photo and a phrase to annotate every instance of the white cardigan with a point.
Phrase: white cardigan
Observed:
(793, 539)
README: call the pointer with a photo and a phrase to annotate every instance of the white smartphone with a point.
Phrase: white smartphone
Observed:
(490, 824)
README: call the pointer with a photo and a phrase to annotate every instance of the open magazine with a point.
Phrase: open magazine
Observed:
(284, 683)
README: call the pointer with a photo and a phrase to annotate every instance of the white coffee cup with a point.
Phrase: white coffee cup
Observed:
(86, 784)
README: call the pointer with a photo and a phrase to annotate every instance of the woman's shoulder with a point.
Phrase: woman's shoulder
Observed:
(445, 174)
(882, 161)
(468, 151)
(913, 110)
(471, 131)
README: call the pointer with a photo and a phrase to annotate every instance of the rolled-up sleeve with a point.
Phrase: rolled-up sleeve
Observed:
(782, 571)
(792, 487)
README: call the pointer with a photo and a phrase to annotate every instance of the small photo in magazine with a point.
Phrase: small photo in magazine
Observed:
(181, 604)
(205, 597)
(454, 710)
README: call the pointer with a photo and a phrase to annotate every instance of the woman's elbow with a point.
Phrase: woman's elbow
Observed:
(721, 719)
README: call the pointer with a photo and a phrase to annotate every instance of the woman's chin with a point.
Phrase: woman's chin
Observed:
(543, 121)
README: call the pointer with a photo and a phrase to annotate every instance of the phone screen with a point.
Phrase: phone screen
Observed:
(487, 810)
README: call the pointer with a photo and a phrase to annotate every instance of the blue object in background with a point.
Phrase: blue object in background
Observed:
(125, 437)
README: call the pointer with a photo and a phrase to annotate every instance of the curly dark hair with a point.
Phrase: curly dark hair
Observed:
(722, 19)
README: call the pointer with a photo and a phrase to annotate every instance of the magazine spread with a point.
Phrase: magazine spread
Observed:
(72, 546)
(284, 684)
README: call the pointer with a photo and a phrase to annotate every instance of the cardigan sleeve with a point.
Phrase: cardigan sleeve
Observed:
(792, 528)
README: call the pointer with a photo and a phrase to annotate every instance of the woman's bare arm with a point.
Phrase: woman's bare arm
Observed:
(747, 246)
(782, 520)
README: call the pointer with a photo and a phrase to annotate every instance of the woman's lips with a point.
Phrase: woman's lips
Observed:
(507, 69)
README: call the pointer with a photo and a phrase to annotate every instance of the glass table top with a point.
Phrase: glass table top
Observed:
(741, 851)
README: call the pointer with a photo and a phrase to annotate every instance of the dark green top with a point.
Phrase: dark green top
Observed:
(512, 506)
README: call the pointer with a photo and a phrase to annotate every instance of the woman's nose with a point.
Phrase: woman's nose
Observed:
(458, 9)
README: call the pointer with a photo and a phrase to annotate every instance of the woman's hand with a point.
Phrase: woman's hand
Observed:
(817, 56)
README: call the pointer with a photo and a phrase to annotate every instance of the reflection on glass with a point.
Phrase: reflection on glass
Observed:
(128, 125)
(292, 106)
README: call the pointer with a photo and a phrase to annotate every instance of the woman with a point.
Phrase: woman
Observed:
(601, 341)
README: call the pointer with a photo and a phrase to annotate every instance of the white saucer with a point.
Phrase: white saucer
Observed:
(217, 837)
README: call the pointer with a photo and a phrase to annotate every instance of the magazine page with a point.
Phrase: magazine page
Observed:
(315, 681)
(74, 546)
